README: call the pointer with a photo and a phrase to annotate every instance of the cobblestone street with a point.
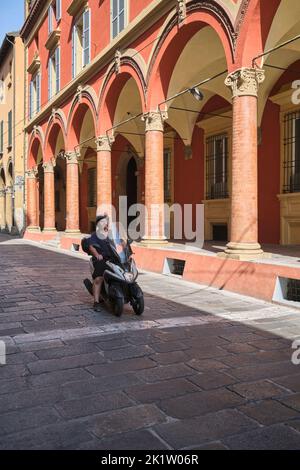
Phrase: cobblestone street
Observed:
(202, 369)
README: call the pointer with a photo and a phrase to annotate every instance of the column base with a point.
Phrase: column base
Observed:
(71, 233)
(33, 229)
(244, 252)
(49, 230)
(154, 242)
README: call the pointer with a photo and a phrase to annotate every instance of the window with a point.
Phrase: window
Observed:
(217, 167)
(54, 12)
(35, 95)
(81, 43)
(291, 163)
(9, 129)
(58, 10)
(92, 185)
(50, 19)
(167, 176)
(118, 16)
(1, 136)
(54, 73)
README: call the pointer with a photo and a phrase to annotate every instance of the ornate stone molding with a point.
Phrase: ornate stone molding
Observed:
(245, 81)
(32, 173)
(104, 143)
(154, 120)
(73, 156)
(241, 17)
(19, 181)
(181, 10)
(79, 92)
(118, 56)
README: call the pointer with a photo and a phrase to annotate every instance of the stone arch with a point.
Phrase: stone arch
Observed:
(2, 177)
(253, 26)
(35, 148)
(281, 26)
(57, 126)
(84, 101)
(173, 40)
(9, 172)
(124, 69)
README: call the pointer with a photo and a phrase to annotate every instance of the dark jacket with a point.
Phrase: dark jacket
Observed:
(103, 246)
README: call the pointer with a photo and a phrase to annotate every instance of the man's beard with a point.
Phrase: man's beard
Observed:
(101, 233)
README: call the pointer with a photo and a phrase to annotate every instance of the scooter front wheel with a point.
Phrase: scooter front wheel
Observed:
(138, 306)
(118, 306)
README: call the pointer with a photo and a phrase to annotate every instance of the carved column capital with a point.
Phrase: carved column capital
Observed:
(72, 156)
(104, 143)
(155, 120)
(9, 190)
(49, 166)
(32, 173)
(245, 81)
(2, 192)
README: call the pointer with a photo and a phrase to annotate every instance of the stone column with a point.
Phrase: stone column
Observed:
(32, 201)
(72, 192)
(154, 178)
(49, 197)
(9, 208)
(104, 175)
(244, 245)
(2, 210)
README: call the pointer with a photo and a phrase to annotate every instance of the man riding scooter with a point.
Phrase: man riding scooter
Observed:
(113, 268)
(99, 248)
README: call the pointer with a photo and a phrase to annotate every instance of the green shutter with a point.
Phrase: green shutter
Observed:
(10, 128)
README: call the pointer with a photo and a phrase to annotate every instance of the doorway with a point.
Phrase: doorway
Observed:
(60, 194)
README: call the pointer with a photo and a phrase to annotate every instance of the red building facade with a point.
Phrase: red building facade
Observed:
(106, 117)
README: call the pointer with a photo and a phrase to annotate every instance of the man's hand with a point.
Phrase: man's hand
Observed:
(95, 253)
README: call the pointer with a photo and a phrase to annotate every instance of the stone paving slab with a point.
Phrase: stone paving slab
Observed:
(202, 369)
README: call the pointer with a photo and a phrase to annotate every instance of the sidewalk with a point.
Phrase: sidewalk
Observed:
(201, 369)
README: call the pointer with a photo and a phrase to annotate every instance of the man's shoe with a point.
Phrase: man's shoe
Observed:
(97, 307)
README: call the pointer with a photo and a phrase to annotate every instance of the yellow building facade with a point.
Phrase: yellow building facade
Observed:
(12, 188)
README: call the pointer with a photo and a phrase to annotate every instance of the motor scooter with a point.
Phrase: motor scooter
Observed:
(120, 285)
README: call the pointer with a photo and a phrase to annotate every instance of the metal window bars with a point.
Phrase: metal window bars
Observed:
(217, 167)
(291, 162)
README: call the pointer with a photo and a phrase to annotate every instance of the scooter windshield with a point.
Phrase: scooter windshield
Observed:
(119, 239)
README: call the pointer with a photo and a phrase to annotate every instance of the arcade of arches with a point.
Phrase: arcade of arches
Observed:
(237, 150)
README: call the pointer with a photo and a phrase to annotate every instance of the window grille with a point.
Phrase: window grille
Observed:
(167, 176)
(217, 167)
(291, 163)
